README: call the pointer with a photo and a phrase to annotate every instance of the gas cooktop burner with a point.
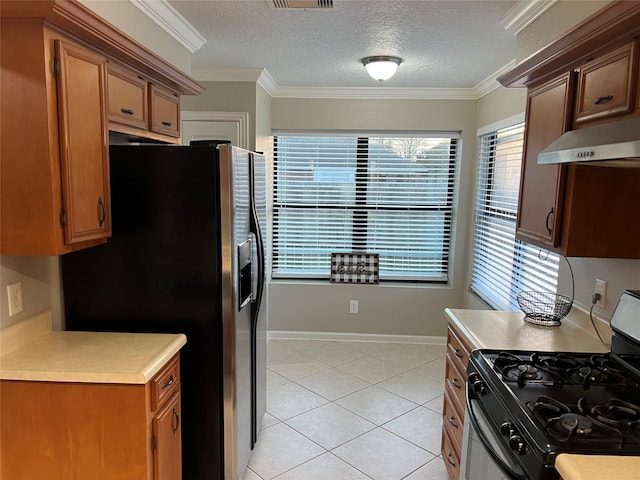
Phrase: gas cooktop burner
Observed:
(577, 425)
(556, 370)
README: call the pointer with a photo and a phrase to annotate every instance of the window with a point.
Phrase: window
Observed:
(502, 265)
(387, 195)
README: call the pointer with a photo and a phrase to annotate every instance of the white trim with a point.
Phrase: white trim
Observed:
(266, 81)
(490, 83)
(241, 118)
(504, 123)
(355, 337)
(523, 14)
(168, 18)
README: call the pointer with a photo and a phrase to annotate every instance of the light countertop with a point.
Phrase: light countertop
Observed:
(508, 330)
(31, 350)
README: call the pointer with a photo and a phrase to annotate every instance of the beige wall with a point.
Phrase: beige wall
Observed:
(40, 279)
(551, 25)
(126, 17)
(228, 97)
(384, 309)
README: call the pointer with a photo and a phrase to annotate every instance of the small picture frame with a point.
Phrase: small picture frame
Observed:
(355, 268)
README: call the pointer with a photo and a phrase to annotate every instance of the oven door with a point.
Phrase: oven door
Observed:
(484, 453)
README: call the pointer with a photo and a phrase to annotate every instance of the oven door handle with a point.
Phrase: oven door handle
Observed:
(485, 440)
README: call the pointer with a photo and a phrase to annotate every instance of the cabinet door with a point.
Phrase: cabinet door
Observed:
(127, 97)
(84, 156)
(607, 86)
(165, 111)
(167, 452)
(540, 205)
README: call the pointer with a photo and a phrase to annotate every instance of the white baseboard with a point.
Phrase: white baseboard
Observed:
(355, 337)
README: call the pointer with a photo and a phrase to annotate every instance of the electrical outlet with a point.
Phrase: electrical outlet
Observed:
(601, 288)
(353, 306)
(14, 294)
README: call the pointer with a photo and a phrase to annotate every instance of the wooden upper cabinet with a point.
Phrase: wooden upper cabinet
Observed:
(165, 111)
(127, 98)
(54, 182)
(607, 86)
(81, 79)
(58, 99)
(541, 186)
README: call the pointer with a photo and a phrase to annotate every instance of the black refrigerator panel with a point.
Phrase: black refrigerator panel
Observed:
(161, 272)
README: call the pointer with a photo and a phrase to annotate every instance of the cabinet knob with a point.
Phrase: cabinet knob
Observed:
(166, 124)
(457, 353)
(604, 99)
(127, 111)
(456, 383)
(449, 459)
(102, 212)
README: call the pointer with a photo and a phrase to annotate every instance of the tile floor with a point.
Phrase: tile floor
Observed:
(351, 411)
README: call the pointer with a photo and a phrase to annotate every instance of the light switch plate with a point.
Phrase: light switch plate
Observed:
(14, 294)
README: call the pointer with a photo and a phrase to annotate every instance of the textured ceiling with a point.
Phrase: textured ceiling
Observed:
(443, 43)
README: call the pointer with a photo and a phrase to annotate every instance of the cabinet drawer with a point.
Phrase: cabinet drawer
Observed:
(458, 350)
(607, 85)
(455, 383)
(452, 420)
(165, 383)
(450, 456)
(165, 111)
(127, 97)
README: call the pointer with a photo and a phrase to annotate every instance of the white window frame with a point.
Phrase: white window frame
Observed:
(282, 272)
(501, 265)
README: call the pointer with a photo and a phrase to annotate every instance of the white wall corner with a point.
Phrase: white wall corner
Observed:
(164, 15)
(523, 13)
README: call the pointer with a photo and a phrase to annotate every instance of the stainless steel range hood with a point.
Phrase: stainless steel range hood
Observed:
(612, 144)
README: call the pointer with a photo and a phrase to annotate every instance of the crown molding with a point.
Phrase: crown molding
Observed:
(263, 78)
(490, 83)
(165, 16)
(523, 13)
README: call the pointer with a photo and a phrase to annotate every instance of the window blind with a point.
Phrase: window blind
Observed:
(503, 266)
(387, 195)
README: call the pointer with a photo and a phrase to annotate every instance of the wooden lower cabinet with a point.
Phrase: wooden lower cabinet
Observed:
(454, 402)
(81, 431)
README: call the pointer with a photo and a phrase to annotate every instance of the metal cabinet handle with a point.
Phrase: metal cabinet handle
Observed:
(127, 111)
(168, 384)
(175, 424)
(451, 462)
(453, 423)
(546, 221)
(456, 383)
(605, 99)
(166, 124)
(457, 353)
(102, 212)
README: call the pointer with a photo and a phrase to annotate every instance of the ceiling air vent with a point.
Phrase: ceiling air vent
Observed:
(301, 3)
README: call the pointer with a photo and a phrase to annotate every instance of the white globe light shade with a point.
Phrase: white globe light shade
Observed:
(381, 67)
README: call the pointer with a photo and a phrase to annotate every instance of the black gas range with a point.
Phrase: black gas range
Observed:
(525, 407)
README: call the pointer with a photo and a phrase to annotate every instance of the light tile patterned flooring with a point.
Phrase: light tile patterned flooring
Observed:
(351, 411)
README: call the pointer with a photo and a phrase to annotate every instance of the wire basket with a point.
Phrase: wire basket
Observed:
(544, 308)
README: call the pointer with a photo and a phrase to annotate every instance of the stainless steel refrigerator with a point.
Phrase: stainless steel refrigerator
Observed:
(187, 255)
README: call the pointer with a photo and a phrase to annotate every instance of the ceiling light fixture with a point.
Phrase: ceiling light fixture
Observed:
(381, 67)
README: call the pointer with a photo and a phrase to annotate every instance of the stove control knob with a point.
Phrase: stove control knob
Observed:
(473, 378)
(479, 387)
(517, 445)
(507, 429)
